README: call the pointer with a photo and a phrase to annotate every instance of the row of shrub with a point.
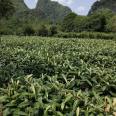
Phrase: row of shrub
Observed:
(52, 31)
(30, 31)
(56, 77)
(91, 35)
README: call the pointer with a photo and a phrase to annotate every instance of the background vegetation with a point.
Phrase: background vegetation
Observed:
(102, 20)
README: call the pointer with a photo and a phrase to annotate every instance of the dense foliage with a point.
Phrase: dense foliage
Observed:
(49, 22)
(43, 20)
(96, 22)
(111, 26)
(57, 77)
(6, 8)
(51, 76)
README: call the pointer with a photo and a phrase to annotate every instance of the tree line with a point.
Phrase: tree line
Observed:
(103, 20)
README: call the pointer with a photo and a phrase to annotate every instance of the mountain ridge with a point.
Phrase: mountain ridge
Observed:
(45, 9)
(103, 4)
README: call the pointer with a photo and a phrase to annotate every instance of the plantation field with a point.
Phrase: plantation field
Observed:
(57, 77)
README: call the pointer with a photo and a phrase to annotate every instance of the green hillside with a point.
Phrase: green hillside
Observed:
(19, 5)
(45, 9)
(109, 4)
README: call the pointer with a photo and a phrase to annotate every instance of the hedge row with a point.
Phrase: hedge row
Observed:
(91, 35)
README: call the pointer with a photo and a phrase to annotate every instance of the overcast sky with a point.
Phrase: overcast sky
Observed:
(81, 7)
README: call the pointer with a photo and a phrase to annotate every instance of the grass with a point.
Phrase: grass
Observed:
(57, 77)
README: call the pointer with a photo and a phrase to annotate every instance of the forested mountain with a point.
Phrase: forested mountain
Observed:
(52, 10)
(19, 5)
(109, 4)
(46, 9)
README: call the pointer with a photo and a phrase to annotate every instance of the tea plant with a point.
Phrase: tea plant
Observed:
(57, 77)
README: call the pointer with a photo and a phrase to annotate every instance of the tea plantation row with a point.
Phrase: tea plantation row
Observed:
(57, 77)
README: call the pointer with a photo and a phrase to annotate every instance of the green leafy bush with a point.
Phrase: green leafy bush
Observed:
(57, 76)
(52, 96)
(111, 25)
(53, 30)
(42, 31)
(28, 30)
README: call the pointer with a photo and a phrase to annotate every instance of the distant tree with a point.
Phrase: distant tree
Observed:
(28, 31)
(6, 8)
(81, 23)
(97, 23)
(42, 31)
(98, 20)
(53, 30)
(111, 26)
(107, 13)
(68, 22)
